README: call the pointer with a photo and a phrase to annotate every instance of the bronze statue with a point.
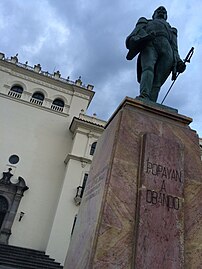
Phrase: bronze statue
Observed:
(156, 43)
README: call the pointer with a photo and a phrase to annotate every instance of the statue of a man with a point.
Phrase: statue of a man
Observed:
(156, 42)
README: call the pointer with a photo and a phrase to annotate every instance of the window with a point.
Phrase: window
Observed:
(93, 147)
(13, 159)
(74, 223)
(37, 98)
(58, 105)
(84, 183)
(80, 190)
(16, 91)
(38, 95)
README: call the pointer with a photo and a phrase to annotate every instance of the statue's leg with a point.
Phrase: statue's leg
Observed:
(155, 91)
(148, 60)
(162, 72)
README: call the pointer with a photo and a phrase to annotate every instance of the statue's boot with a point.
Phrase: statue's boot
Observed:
(154, 93)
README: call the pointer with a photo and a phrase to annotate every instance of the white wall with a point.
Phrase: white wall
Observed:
(66, 211)
(40, 139)
(76, 168)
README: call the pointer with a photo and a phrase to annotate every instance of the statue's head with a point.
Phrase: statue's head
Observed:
(160, 13)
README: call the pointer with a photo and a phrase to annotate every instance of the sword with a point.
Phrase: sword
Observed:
(186, 60)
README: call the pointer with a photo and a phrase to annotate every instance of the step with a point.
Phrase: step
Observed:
(27, 260)
(24, 258)
(20, 249)
(28, 266)
(22, 255)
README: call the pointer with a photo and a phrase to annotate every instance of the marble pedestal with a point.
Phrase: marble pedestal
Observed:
(142, 205)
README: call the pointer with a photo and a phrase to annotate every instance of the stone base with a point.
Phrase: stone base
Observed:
(142, 205)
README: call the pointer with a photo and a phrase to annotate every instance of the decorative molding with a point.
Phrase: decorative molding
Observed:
(82, 95)
(92, 119)
(83, 160)
(90, 135)
(83, 164)
(49, 82)
(64, 114)
(75, 90)
(11, 194)
(37, 81)
(86, 132)
(90, 126)
(13, 63)
(6, 86)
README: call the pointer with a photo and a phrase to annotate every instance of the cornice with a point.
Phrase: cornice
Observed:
(82, 95)
(76, 123)
(79, 91)
(46, 81)
(38, 81)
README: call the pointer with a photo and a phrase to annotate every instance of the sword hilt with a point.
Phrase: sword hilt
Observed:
(189, 55)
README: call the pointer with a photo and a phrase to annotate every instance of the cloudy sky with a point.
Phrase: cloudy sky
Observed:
(87, 38)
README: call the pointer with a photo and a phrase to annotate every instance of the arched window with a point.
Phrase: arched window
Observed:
(16, 91)
(37, 98)
(38, 95)
(93, 147)
(58, 105)
(3, 209)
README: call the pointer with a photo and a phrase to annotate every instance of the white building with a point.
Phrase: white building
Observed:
(48, 141)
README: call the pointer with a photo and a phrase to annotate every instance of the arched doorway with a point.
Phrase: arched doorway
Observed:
(10, 197)
(3, 209)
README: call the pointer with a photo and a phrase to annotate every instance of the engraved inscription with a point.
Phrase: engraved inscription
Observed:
(95, 185)
(161, 197)
(160, 221)
(163, 171)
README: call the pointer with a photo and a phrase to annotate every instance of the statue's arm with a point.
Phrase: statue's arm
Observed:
(139, 27)
(179, 65)
(174, 44)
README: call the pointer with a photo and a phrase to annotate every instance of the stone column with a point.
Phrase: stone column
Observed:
(142, 206)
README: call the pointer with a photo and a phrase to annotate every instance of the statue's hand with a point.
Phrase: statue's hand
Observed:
(181, 66)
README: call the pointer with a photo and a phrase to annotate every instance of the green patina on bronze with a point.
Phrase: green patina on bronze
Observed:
(155, 42)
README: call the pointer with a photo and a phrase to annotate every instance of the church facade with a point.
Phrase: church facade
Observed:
(47, 145)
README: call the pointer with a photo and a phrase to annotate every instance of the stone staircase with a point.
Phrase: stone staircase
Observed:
(12, 257)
